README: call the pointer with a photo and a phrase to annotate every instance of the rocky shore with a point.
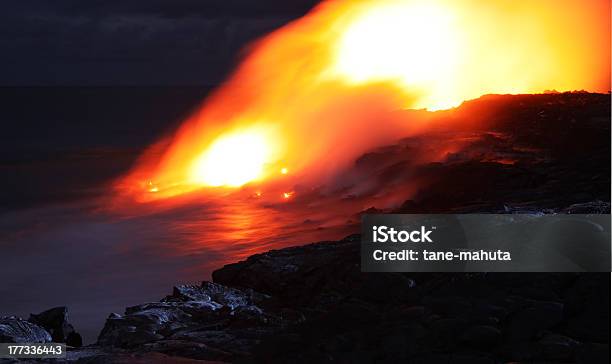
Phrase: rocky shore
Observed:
(312, 304)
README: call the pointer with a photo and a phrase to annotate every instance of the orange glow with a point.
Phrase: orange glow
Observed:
(151, 187)
(321, 90)
(232, 160)
(370, 48)
(452, 51)
(287, 195)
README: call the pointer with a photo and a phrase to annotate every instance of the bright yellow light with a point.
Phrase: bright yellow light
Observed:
(232, 160)
(414, 44)
(151, 187)
(287, 195)
(284, 171)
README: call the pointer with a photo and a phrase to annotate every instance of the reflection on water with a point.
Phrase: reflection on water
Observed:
(238, 225)
(100, 256)
(97, 261)
(231, 228)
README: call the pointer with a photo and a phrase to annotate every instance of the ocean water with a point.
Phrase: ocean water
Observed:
(96, 262)
(60, 244)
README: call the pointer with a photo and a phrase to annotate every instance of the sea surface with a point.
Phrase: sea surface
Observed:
(60, 245)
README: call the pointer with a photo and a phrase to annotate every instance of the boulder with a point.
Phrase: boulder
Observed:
(481, 336)
(16, 330)
(530, 321)
(316, 275)
(206, 322)
(55, 321)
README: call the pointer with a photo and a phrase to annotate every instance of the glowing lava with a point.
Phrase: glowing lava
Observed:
(232, 160)
(449, 51)
(413, 44)
(329, 86)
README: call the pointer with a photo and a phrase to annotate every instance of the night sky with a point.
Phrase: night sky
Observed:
(132, 42)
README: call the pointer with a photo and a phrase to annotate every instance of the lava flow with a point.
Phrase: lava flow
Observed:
(311, 96)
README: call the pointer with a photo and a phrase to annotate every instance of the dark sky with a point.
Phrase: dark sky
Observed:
(132, 42)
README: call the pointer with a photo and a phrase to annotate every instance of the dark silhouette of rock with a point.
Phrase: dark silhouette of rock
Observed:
(303, 275)
(74, 339)
(530, 321)
(555, 347)
(593, 353)
(55, 321)
(481, 336)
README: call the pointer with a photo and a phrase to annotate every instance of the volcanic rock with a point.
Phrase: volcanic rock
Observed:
(555, 347)
(316, 275)
(16, 330)
(593, 353)
(481, 336)
(55, 321)
(528, 322)
(207, 322)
